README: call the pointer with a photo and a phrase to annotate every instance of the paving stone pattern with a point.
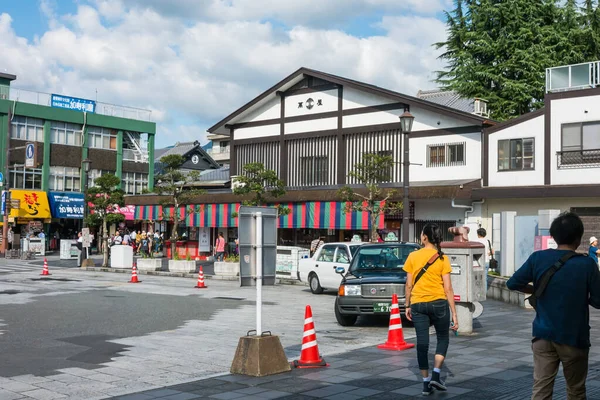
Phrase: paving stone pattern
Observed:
(495, 363)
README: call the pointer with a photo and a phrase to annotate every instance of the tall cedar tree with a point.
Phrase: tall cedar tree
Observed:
(498, 50)
(373, 170)
(173, 183)
(261, 185)
(103, 199)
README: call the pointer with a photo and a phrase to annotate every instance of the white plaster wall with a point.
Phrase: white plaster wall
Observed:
(418, 155)
(566, 111)
(311, 126)
(356, 98)
(329, 99)
(438, 209)
(270, 110)
(373, 118)
(534, 128)
(256, 132)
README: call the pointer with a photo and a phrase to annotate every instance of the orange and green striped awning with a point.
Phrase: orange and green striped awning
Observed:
(213, 215)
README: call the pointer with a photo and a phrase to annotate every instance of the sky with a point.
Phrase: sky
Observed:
(193, 62)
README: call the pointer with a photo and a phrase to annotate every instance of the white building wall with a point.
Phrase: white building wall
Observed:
(564, 111)
(311, 126)
(256, 132)
(533, 128)
(328, 98)
(438, 209)
(418, 155)
(356, 98)
(271, 109)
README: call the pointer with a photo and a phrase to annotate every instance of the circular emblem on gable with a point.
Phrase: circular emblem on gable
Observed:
(373, 291)
(195, 159)
(310, 103)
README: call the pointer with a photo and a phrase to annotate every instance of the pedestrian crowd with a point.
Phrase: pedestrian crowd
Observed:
(143, 243)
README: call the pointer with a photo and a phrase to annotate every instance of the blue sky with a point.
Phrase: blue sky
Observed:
(226, 52)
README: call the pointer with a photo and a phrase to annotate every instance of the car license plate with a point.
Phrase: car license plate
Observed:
(382, 307)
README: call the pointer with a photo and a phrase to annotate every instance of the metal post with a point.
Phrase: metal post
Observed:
(85, 254)
(6, 186)
(259, 251)
(405, 199)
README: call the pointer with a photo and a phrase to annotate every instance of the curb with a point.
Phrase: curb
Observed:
(160, 273)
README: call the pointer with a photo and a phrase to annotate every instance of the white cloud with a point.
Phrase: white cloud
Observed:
(202, 69)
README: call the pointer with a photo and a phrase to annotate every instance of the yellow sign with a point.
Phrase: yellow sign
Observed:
(33, 204)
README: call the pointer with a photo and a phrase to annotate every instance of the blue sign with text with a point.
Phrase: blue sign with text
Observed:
(73, 103)
(66, 205)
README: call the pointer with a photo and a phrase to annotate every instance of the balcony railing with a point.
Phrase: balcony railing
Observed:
(132, 155)
(113, 110)
(578, 159)
(571, 77)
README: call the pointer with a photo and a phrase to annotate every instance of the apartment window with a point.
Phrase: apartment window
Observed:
(65, 179)
(102, 138)
(224, 145)
(95, 174)
(446, 155)
(516, 154)
(314, 171)
(64, 133)
(26, 128)
(134, 182)
(580, 145)
(25, 178)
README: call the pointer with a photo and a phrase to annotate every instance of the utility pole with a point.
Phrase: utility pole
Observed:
(6, 187)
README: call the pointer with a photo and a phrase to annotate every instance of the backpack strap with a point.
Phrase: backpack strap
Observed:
(424, 269)
(547, 276)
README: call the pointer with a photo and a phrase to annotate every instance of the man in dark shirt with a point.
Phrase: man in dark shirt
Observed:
(561, 330)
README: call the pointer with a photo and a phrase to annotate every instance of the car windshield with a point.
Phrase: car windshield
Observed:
(353, 249)
(381, 257)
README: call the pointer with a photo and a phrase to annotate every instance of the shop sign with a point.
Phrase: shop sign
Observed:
(127, 211)
(73, 103)
(66, 205)
(204, 239)
(32, 204)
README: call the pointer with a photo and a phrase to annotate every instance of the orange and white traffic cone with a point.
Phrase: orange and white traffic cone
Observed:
(395, 335)
(45, 271)
(134, 275)
(197, 258)
(309, 356)
(201, 284)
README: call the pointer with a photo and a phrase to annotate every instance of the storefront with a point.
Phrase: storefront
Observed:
(29, 220)
(67, 217)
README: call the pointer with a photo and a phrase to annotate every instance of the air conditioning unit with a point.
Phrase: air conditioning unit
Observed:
(481, 107)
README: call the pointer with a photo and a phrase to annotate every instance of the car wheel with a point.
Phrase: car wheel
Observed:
(344, 320)
(315, 285)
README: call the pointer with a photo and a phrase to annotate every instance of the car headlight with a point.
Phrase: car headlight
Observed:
(352, 290)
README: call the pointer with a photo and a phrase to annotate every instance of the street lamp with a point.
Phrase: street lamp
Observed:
(85, 167)
(406, 123)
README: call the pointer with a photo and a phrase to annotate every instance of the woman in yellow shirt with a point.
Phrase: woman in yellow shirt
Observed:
(429, 299)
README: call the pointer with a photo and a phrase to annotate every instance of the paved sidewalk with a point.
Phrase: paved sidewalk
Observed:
(495, 363)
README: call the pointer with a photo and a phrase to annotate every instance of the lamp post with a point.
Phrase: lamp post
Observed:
(406, 123)
(85, 167)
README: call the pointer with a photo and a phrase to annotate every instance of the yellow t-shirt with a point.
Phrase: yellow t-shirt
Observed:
(430, 287)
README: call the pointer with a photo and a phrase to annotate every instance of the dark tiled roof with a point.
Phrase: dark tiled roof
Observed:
(211, 175)
(179, 148)
(448, 98)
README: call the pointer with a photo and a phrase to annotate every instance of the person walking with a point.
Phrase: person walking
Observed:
(561, 328)
(481, 234)
(429, 300)
(220, 247)
(593, 251)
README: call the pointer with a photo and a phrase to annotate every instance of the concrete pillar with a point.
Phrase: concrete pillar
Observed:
(507, 243)
(84, 156)
(119, 169)
(150, 162)
(46, 159)
(464, 312)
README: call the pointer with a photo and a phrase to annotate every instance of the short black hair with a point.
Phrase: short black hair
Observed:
(481, 232)
(567, 229)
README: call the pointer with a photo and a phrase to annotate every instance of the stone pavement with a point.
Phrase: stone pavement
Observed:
(495, 363)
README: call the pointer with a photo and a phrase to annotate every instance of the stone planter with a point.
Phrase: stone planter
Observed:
(230, 269)
(149, 264)
(497, 290)
(182, 266)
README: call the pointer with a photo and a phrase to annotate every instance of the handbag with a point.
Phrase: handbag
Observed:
(547, 276)
(493, 261)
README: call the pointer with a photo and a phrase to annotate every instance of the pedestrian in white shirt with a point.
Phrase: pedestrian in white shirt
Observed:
(481, 234)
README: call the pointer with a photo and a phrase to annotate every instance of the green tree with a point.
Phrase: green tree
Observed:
(498, 50)
(373, 170)
(103, 198)
(174, 184)
(261, 185)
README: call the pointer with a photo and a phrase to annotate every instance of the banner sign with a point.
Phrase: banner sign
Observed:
(73, 103)
(66, 205)
(127, 211)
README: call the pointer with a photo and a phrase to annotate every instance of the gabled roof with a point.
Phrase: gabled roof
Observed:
(515, 121)
(390, 94)
(183, 149)
(448, 98)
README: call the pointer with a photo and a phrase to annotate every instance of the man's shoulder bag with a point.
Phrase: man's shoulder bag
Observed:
(538, 290)
(426, 267)
(493, 261)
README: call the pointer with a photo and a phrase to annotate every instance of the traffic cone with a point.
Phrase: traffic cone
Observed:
(201, 284)
(395, 335)
(197, 258)
(134, 275)
(45, 271)
(309, 356)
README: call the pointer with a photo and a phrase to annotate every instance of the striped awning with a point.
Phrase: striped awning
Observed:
(325, 215)
(213, 215)
(157, 212)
